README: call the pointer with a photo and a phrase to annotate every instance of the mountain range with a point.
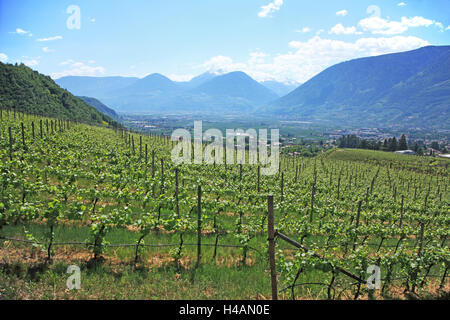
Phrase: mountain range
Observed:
(212, 93)
(401, 89)
(408, 88)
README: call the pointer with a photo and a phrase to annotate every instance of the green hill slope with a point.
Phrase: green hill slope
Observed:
(97, 104)
(25, 90)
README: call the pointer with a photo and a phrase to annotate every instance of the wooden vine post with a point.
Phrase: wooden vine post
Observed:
(358, 213)
(176, 193)
(10, 144)
(23, 135)
(419, 254)
(162, 176)
(313, 192)
(146, 154)
(401, 212)
(339, 186)
(153, 163)
(199, 225)
(271, 232)
(259, 177)
(367, 196)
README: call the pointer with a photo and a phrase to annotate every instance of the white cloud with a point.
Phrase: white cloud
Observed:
(340, 29)
(78, 69)
(448, 28)
(92, 20)
(316, 54)
(22, 32)
(31, 63)
(49, 39)
(257, 57)
(46, 49)
(3, 57)
(306, 59)
(342, 13)
(64, 63)
(401, 4)
(222, 64)
(304, 30)
(378, 25)
(319, 32)
(271, 7)
(417, 22)
(180, 77)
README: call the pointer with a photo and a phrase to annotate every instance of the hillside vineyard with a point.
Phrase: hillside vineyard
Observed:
(79, 194)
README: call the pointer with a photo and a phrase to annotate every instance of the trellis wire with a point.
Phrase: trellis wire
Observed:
(131, 244)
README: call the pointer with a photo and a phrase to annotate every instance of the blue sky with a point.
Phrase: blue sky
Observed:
(283, 40)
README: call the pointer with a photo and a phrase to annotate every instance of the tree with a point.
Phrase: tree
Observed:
(393, 146)
(342, 142)
(379, 145)
(402, 145)
(363, 144)
(385, 145)
(435, 145)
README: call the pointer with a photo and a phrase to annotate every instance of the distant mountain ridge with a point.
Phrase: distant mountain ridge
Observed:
(410, 88)
(94, 86)
(208, 92)
(153, 82)
(281, 89)
(199, 80)
(237, 84)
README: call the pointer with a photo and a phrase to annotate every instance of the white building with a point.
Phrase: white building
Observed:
(405, 152)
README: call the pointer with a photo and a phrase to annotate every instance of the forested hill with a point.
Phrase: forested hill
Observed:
(97, 104)
(25, 90)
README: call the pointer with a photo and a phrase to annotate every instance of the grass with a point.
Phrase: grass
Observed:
(105, 281)
(108, 280)
(401, 161)
(25, 275)
(117, 277)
